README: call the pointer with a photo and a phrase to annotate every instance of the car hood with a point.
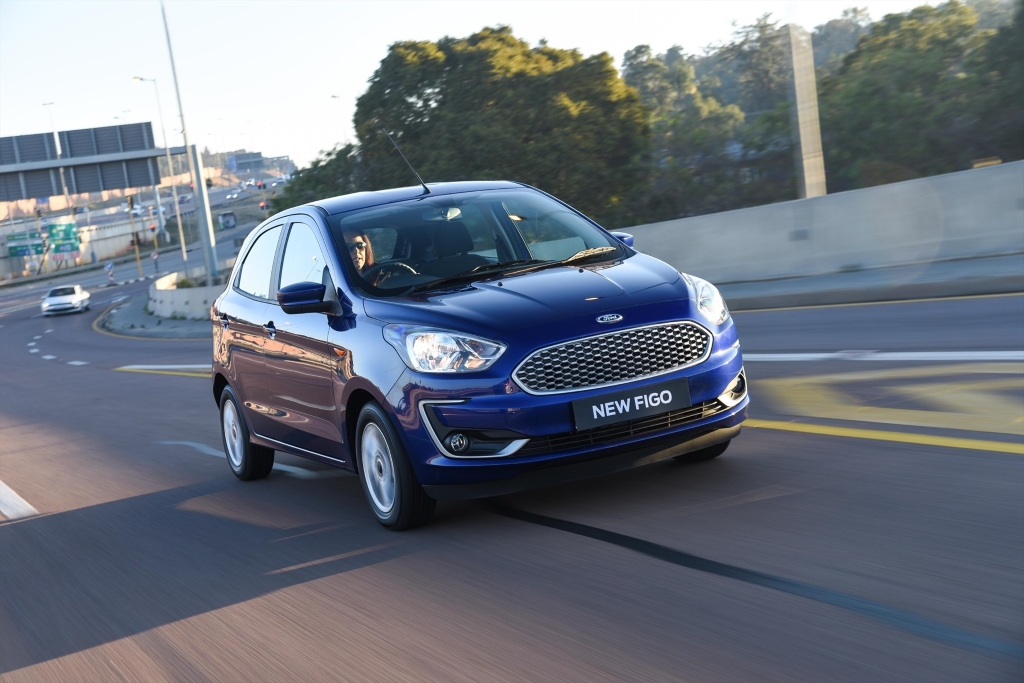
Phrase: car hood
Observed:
(640, 288)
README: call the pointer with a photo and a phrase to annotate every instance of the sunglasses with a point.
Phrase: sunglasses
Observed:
(357, 246)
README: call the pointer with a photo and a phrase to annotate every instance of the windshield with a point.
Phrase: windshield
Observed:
(452, 240)
(62, 291)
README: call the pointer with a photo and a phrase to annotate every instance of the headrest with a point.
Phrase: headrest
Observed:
(451, 239)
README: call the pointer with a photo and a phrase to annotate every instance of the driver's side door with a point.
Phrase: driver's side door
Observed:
(299, 360)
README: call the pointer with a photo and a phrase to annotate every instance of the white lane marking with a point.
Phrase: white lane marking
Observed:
(198, 368)
(49, 357)
(48, 332)
(298, 472)
(33, 350)
(898, 356)
(13, 506)
(38, 336)
(77, 362)
(31, 344)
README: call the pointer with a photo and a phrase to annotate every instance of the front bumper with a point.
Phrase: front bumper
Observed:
(553, 450)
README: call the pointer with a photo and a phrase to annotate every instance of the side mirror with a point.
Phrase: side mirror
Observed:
(624, 237)
(304, 297)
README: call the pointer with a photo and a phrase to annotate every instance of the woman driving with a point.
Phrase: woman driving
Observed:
(361, 251)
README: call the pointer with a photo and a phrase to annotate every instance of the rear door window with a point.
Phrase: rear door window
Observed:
(303, 259)
(254, 276)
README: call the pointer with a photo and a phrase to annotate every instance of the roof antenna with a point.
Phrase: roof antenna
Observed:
(426, 189)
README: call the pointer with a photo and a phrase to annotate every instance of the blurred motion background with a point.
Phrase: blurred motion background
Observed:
(868, 524)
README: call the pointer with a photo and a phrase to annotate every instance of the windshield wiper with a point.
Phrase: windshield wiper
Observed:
(581, 255)
(474, 273)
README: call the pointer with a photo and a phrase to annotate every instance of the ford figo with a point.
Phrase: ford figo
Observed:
(471, 340)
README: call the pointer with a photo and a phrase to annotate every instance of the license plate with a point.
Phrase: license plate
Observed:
(629, 404)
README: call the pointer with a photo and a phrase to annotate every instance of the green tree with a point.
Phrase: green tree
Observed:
(834, 39)
(996, 80)
(690, 170)
(333, 173)
(897, 108)
(489, 107)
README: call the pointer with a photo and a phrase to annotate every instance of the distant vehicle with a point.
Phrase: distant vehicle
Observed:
(138, 211)
(250, 183)
(65, 300)
(234, 194)
(184, 199)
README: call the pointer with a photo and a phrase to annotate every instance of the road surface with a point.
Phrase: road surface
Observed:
(866, 526)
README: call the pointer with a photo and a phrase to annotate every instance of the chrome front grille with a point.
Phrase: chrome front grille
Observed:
(613, 358)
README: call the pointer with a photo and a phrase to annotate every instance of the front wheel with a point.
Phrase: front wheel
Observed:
(247, 460)
(395, 496)
(704, 454)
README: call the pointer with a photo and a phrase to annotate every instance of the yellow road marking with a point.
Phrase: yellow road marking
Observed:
(179, 373)
(820, 396)
(898, 437)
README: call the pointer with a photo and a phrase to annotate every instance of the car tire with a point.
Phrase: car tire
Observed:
(709, 453)
(247, 460)
(385, 473)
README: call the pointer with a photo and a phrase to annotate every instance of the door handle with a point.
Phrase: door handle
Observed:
(271, 330)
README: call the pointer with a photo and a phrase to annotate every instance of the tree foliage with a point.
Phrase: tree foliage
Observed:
(491, 107)
(918, 93)
(916, 97)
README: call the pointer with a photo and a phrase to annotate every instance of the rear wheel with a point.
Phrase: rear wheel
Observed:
(247, 460)
(708, 453)
(392, 490)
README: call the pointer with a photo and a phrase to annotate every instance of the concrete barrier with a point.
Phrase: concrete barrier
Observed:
(193, 303)
(961, 215)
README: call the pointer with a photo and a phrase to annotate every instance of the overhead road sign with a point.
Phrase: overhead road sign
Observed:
(64, 244)
(25, 243)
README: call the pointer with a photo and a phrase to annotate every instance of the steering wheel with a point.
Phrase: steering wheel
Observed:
(379, 272)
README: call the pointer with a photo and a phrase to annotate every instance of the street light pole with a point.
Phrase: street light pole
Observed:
(56, 142)
(205, 231)
(170, 168)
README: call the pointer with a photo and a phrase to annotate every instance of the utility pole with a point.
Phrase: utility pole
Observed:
(205, 220)
(167, 153)
(135, 237)
(803, 99)
(197, 181)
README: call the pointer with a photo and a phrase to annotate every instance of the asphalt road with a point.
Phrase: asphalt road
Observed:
(883, 542)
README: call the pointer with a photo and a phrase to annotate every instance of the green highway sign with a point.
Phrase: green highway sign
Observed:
(64, 238)
(25, 243)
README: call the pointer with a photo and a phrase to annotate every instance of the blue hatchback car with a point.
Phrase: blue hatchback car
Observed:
(471, 340)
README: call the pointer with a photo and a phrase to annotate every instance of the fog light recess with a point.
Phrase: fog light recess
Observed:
(458, 442)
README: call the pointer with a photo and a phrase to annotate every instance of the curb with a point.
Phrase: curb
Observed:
(99, 325)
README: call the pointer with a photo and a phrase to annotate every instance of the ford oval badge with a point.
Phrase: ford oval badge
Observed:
(609, 318)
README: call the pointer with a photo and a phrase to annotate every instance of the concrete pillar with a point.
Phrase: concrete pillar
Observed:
(803, 100)
(205, 221)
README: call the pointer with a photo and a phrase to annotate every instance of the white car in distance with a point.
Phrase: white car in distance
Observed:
(65, 300)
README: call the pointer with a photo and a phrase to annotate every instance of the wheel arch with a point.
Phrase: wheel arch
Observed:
(219, 382)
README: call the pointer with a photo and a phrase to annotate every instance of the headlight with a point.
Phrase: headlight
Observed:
(430, 350)
(46, 304)
(709, 301)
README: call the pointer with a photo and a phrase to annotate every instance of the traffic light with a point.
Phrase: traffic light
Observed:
(263, 206)
(259, 184)
(131, 202)
(39, 213)
(191, 186)
(152, 227)
(209, 183)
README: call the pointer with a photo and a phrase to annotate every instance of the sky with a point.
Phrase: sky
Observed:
(282, 77)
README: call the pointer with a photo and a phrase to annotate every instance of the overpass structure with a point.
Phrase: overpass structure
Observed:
(89, 159)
